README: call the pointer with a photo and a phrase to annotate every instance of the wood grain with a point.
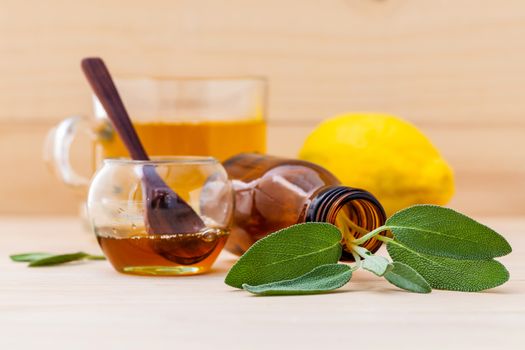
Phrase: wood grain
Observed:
(27, 185)
(489, 178)
(455, 71)
(420, 59)
(488, 162)
(89, 305)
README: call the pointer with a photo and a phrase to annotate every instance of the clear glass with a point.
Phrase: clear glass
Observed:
(217, 117)
(116, 212)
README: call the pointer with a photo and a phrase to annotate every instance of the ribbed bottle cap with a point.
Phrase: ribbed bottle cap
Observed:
(360, 207)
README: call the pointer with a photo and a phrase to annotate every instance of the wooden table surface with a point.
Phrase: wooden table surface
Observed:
(89, 305)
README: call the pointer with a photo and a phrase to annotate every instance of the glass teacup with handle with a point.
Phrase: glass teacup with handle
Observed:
(217, 117)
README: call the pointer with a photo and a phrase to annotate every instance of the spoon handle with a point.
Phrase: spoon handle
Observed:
(102, 84)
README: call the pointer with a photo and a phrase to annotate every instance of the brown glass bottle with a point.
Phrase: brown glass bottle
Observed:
(272, 193)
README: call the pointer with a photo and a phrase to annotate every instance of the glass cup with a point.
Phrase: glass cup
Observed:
(217, 117)
(117, 214)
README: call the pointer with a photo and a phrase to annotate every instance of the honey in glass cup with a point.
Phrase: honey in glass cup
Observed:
(116, 212)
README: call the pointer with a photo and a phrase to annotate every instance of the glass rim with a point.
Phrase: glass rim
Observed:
(164, 160)
(207, 79)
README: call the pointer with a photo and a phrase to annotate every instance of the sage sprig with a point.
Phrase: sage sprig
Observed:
(432, 247)
(435, 230)
(321, 279)
(405, 277)
(29, 257)
(287, 254)
(451, 274)
(48, 259)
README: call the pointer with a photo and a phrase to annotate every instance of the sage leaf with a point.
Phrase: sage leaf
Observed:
(321, 279)
(436, 230)
(405, 277)
(451, 274)
(95, 257)
(29, 257)
(378, 265)
(63, 258)
(287, 254)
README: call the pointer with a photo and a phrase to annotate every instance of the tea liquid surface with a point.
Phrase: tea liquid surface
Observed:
(217, 139)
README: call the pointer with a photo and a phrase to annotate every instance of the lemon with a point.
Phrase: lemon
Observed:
(384, 155)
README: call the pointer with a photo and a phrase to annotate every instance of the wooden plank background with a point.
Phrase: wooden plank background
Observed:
(455, 69)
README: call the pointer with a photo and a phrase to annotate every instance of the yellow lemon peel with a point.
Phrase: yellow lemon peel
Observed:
(382, 154)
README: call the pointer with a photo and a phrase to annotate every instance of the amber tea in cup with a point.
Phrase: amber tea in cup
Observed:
(220, 139)
(217, 117)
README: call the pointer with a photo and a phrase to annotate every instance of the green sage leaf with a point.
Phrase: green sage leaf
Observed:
(321, 279)
(287, 254)
(62, 259)
(29, 257)
(436, 230)
(405, 277)
(378, 265)
(451, 274)
(95, 257)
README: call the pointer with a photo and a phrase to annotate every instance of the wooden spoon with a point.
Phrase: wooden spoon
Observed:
(166, 212)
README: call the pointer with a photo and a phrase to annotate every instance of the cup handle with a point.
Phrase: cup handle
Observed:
(57, 147)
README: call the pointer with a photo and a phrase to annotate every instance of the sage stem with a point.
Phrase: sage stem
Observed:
(370, 234)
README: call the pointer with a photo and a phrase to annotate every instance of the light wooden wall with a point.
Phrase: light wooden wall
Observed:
(454, 68)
